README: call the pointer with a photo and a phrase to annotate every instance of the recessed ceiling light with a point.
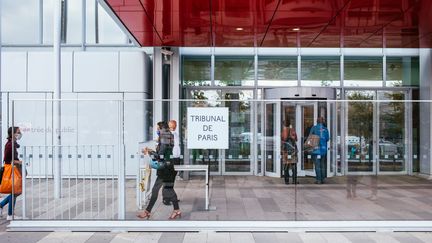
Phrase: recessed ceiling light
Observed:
(296, 29)
(239, 28)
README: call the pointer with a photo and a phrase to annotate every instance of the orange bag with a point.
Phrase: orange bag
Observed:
(6, 184)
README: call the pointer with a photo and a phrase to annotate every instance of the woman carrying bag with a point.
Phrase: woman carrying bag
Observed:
(289, 150)
(9, 171)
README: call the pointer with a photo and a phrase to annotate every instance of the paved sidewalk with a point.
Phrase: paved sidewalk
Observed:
(211, 237)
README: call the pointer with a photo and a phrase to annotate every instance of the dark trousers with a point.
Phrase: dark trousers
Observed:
(155, 191)
(293, 167)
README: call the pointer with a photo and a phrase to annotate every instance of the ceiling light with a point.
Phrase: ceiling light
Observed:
(296, 29)
(239, 28)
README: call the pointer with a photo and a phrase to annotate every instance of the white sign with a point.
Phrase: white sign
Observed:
(207, 127)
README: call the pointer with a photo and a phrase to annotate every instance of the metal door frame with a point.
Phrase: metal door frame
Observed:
(276, 137)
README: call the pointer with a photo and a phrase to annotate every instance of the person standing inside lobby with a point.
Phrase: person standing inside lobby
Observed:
(320, 152)
(289, 152)
(176, 148)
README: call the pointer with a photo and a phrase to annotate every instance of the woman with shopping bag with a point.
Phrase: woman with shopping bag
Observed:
(11, 180)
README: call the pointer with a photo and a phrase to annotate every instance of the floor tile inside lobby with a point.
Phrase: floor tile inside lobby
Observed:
(245, 198)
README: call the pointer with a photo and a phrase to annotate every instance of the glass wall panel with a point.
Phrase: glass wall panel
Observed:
(109, 31)
(392, 145)
(402, 71)
(196, 71)
(100, 28)
(277, 71)
(359, 142)
(48, 26)
(363, 71)
(20, 21)
(74, 22)
(234, 71)
(320, 71)
(90, 21)
(238, 156)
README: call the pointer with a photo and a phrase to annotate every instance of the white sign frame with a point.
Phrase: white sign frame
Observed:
(207, 127)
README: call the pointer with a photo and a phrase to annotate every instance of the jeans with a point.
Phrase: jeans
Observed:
(8, 200)
(319, 167)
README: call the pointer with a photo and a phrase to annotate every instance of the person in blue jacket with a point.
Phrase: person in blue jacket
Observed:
(320, 152)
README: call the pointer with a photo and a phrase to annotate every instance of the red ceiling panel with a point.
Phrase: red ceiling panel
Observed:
(278, 23)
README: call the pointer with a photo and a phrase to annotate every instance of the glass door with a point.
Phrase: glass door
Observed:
(272, 139)
(302, 117)
(306, 117)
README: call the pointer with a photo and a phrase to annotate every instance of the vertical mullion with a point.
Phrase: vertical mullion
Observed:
(83, 25)
(41, 22)
(212, 67)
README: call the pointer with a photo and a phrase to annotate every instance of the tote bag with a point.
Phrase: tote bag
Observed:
(6, 184)
(312, 142)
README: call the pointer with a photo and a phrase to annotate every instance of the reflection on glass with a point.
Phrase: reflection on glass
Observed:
(391, 148)
(20, 21)
(196, 71)
(359, 141)
(320, 71)
(277, 71)
(234, 71)
(402, 71)
(363, 71)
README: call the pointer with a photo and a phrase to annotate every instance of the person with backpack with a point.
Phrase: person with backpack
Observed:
(289, 152)
(160, 160)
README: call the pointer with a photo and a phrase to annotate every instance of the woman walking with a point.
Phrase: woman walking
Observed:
(11, 146)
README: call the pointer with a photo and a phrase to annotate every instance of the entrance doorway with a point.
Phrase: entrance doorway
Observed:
(299, 107)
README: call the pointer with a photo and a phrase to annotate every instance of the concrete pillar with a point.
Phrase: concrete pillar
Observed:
(157, 87)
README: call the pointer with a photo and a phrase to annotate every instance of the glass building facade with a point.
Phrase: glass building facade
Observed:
(374, 99)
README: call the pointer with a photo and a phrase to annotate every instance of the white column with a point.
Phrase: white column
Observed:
(175, 85)
(157, 86)
(425, 114)
(57, 95)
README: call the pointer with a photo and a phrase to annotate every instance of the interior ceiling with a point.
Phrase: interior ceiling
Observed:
(278, 23)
